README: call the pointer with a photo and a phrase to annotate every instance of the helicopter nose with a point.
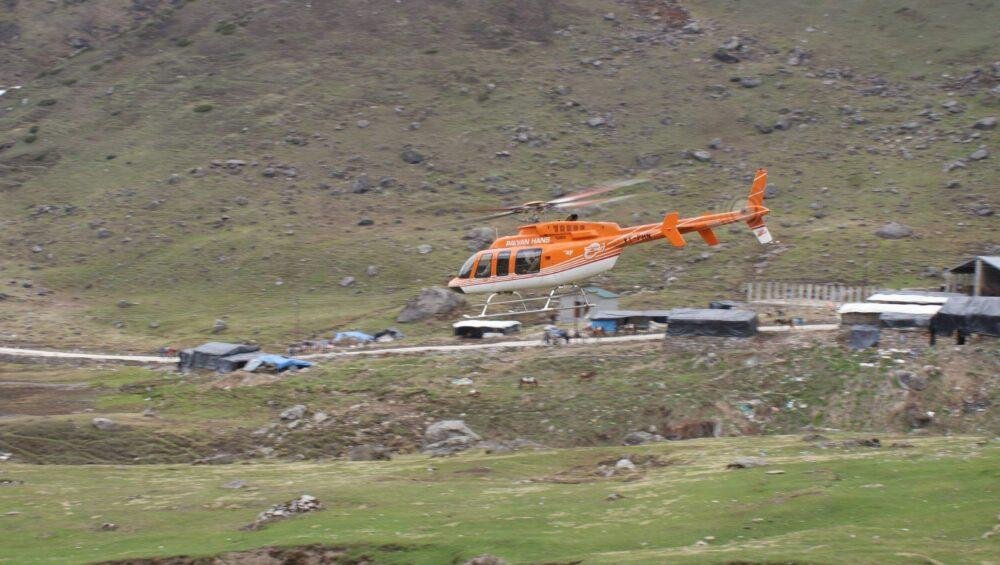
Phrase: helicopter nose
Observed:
(453, 285)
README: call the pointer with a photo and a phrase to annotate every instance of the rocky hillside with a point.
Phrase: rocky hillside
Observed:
(292, 167)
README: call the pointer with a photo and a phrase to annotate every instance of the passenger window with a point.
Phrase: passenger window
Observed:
(528, 261)
(483, 268)
(466, 269)
(503, 263)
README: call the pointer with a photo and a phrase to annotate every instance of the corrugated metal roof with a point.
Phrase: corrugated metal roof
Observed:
(619, 314)
(970, 265)
(901, 298)
(495, 324)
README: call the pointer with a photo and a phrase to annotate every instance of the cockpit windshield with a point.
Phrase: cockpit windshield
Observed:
(466, 269)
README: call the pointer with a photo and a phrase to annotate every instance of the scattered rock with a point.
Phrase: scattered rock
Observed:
(361, 185)
(614, 496)
(363, 123)
(412, 156)
(763, 128)
(910, 380)
(647, 161)
(366, 222)
(219, 326)
(346, 281)
(746, 463)
(448, 436)
(369, 452)
(700, 155)
(104, 424)
(639, 438)
(715, 143)
(979, 154)
(294, 413)
(485, 559)
(234, 484)
(749, 82)
(596, 121)
(371, 271)
(987, 123)
(894, 230)
(300, 505)
(108, 527)
(432, 301)
(103, 233)
(864, 442)
(424, 249)
(725, 56)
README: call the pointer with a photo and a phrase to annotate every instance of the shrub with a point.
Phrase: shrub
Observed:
(182, 42)
(69, 82)
(30, 138)
(47, 102)
(225, 28)
(33, 129)
(202, 108)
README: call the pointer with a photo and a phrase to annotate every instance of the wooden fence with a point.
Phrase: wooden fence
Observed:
(830, 292)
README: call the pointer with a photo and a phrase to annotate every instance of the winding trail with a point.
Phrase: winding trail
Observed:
(14, 352)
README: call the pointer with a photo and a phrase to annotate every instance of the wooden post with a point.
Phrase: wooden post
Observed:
(977, 278)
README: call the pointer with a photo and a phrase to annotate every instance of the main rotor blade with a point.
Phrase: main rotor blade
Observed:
(490, 217)
(594, 202)
(597, 190)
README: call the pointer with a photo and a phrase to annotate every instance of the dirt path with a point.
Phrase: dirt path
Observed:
(14, 352)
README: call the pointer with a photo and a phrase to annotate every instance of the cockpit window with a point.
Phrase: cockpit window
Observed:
(528, 261)
(483, 268)
(466, 269)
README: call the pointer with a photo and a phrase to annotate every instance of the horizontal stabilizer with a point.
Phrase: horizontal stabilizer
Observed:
(670, 232)
(709, 236)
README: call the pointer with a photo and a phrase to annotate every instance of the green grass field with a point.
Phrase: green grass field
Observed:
(930, 502)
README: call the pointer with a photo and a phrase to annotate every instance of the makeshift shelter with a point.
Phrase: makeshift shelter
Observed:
(352, 337)
(611, 321)
(897, 320)
(476, 329)
(870, 313)
(979, 276)
(599, 298)
(217, 356)
(277, 362)
(968, 315)
(713, 322)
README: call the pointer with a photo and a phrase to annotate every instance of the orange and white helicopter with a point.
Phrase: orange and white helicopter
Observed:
(550, 255)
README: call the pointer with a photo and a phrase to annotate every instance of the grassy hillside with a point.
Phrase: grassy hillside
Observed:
(920, 500)
(587, 396)
(110, 195)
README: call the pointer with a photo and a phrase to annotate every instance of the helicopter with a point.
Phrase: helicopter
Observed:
(552, 255)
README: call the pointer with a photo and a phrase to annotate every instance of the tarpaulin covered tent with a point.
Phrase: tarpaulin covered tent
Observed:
(360, 337)
(968, 315)
(613, 320)
(899, 320)
(217, 356)
(279, 362)
(478, 328)
(712, 321)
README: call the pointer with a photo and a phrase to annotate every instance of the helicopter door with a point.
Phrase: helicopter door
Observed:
(528, 261)
(483, 269)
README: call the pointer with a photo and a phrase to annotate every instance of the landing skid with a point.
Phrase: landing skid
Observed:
(529, 305)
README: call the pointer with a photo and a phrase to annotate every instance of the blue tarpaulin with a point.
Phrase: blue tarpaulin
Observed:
(357, 336)
(280, 363)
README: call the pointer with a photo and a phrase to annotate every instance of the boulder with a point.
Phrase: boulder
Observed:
(894, 230)
(448, 436)
(219, 326)
(479, 238)
(979, 155)
(909, 380)
(700, 155)
(369, 452)
(104, 424)
(432, 301)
